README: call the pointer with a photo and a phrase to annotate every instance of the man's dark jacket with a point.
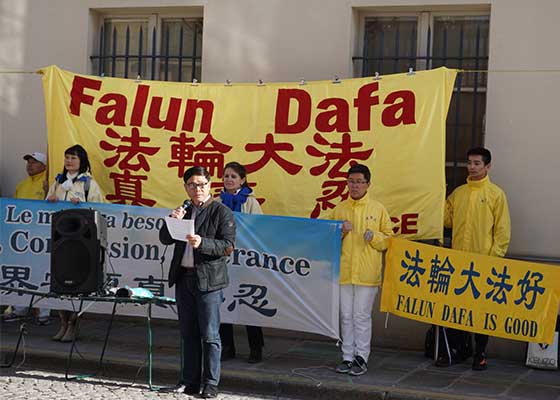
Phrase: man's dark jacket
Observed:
(213, 222)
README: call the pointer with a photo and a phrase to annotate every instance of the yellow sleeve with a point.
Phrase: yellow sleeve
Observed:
(502, 228)
(379, 241)
(17, 194)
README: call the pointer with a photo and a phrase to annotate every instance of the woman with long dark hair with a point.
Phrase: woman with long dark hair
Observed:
(239, 197)
(75, 181)
(74, 184)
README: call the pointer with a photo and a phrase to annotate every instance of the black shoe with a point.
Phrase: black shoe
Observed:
(359, 366)
(255, 356)
(344, 367)
(192, 389)
(479, 362)
(209, 392)
(228, 353)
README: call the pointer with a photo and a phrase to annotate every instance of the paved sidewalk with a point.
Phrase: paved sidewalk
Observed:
(295, 365)
(34, 384)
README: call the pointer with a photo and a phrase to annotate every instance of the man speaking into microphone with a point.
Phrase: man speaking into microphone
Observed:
(199, 272)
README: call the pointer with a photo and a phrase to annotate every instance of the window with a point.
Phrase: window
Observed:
(424, 40)
(151, 46)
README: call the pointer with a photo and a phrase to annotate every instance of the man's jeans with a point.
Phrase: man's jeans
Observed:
(199, 321)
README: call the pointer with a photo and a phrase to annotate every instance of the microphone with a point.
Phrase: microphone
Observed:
(186, 204)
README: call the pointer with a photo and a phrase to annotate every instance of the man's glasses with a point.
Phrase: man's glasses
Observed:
(193, 185)
(351, 182)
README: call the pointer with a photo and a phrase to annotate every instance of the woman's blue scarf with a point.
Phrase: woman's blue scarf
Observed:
(234, 201)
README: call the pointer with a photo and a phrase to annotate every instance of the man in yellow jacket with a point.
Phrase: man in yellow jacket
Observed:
(479, 216)
(365, 230)
(33, 187)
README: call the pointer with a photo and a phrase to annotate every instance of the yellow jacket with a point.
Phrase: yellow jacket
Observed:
(32, 187)
(479, 215)
(361, 262)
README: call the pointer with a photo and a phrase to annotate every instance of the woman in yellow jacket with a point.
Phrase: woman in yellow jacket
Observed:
(366, 227)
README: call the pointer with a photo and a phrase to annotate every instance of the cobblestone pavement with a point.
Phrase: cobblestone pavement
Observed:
(41, 385)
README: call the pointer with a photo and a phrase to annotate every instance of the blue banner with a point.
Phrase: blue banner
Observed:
(284, 271)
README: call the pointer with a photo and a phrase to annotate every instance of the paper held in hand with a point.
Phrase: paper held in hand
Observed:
(180, 228)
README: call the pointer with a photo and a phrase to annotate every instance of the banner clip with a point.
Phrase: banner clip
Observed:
(228, 83)
(376, 77)
(194, 82)
(302, 81)
(138, 80)
(336, 79)
(411, 72)
(260, 82)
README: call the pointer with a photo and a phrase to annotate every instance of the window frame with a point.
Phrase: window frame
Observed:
(154, 19)
(425, 20)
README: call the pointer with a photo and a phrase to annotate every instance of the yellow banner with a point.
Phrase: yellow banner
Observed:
(296, 140)
(490, 295)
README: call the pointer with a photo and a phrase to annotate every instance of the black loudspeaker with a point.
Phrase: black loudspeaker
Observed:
(78, 244)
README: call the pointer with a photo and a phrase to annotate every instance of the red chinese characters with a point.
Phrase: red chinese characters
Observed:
(130, 156)
(344, 154)
(270, 151)
(209, 153)
(130, 151)
(128, 187)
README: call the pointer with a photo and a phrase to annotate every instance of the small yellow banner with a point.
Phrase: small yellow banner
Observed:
(489, 295)
(296, 140)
